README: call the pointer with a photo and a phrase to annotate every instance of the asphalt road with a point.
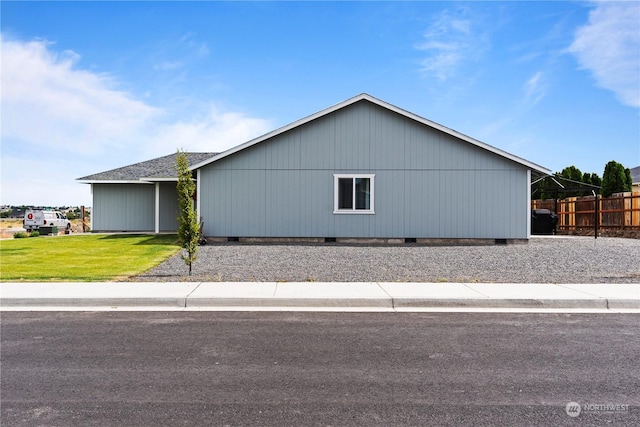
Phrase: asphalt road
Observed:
(340, 369)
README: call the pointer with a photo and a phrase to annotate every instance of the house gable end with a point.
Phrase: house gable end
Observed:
(361, 126)
(361, 137)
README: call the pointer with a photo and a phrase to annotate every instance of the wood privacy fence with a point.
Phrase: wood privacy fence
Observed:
(620, 211)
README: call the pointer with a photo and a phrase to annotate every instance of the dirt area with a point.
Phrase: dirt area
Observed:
(8, 227)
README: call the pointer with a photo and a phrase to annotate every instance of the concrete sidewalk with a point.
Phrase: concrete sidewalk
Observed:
(383, 296)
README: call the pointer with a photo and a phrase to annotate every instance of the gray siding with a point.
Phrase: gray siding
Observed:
(168, 206)
(123, 207)
(428, 184)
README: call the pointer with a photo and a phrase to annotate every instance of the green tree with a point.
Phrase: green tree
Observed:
(614, 179)
(592, 179)
(595, 179)
(188, 224)
(547, 188)
(574, 174)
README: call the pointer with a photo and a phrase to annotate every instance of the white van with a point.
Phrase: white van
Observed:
(36, 218)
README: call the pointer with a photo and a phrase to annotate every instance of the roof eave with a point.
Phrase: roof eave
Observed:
(113, 181)
(158, 179)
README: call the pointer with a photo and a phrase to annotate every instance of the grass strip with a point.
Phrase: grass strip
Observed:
(87, 258)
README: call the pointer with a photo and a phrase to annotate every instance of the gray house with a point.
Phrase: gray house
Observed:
(360, 169)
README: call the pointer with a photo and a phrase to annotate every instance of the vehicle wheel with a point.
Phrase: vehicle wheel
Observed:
(68, 226)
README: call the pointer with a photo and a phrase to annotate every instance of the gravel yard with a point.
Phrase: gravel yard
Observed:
(542, 260)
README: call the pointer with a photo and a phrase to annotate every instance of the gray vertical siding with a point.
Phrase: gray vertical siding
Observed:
(123, 207)
(428, 184)
(168, 206)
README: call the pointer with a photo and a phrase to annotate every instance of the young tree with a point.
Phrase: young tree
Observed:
(188, 224)
(614, 179)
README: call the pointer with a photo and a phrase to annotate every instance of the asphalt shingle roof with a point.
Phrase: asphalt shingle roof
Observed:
(635, 175)
(161, 167)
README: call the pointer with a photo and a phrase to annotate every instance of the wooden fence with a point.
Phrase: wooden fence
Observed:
(620, 211)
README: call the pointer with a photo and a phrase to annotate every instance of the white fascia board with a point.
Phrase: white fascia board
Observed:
(113, 181)
(153, 179)
(383, 104)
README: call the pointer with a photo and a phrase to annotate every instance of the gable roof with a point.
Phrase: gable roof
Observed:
(158, 169)
(366, 97)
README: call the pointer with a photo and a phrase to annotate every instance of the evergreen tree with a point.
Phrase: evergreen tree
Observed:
(188, 224)
(586, 178)
(614, 179)
(572, 173)
(592, 179)
(548, 189)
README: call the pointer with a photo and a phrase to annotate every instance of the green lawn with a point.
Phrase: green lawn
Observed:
(83, 258)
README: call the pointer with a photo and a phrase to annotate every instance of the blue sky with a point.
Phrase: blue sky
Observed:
(90, 86)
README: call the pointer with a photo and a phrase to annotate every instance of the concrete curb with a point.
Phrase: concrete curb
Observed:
(290, 302)
(369, 295)
(501, 303)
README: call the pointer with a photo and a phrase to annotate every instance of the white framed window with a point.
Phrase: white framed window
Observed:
(353, 193)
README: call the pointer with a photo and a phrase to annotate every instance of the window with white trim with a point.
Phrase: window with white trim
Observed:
(353, 194)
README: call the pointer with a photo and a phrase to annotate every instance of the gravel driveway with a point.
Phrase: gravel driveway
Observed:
(542, 260)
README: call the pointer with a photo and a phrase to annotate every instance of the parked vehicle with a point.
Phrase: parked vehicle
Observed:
(36, 218)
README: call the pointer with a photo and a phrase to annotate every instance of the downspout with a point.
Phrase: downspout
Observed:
(157, 208)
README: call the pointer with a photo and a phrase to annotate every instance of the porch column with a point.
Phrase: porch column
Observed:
(529, 203)
(157, 209)
(93, 210)
(198, 195)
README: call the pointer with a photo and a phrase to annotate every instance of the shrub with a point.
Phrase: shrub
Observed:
(20, 235)
(35, 233)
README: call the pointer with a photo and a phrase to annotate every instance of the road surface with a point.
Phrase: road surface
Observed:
(341, 369)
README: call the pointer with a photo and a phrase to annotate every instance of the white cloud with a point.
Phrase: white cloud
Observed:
(450, 41)
(168, 65)
(47, 101)
(535, 88)
(189, 40)
(609, 47)
(61, 122)
(216, 131)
